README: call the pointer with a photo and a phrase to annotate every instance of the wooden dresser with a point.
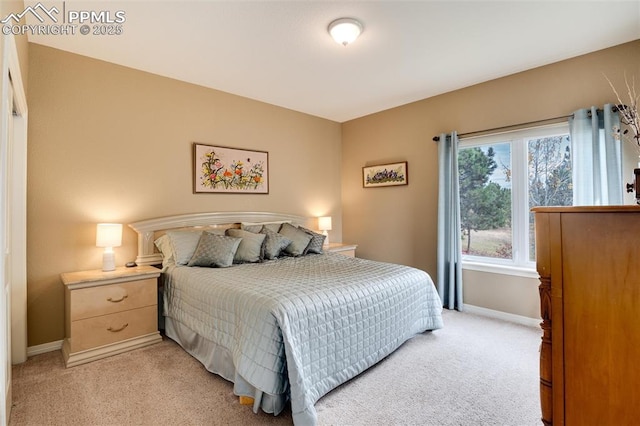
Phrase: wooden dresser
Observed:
(588, 259)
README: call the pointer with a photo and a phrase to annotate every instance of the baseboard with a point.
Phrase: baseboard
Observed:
(44, 348)
(519, 319)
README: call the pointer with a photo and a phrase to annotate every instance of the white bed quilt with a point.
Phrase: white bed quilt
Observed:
(304, 325)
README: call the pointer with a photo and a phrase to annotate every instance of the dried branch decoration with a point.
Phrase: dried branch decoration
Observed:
(628, 111)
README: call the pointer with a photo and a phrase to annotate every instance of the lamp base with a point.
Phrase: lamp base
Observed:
(326, 238)
(108, 261)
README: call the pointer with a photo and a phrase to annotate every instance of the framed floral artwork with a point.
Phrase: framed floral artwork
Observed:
(219, 169)
(385, 175)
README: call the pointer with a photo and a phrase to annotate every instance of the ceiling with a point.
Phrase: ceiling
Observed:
(280, 52)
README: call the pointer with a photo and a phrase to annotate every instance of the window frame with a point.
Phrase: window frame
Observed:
(519, 264)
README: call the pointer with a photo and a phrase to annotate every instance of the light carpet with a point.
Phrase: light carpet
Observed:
(474, 371)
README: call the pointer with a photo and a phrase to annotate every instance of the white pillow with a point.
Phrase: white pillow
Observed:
(164, 245)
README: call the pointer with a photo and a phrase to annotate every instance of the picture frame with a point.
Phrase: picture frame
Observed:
(391, 174)
(221, 169)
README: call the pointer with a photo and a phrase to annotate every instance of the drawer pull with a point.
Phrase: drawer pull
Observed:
(116, 300)
(115, 330)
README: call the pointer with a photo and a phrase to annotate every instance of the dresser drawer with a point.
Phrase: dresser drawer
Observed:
(108, 299)
(97, 331)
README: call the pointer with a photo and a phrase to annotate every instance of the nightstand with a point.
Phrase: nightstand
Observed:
(344, 249)
(107, 313)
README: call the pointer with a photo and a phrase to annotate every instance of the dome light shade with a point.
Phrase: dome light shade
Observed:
(345, 30)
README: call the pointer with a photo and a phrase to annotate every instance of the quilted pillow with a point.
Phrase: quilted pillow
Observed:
(251, 249)
(184, 244)
(215, 250)
(299, 239)
(317, 240)
(274, 243)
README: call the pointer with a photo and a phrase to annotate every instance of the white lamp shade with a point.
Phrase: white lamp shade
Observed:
(324, 223)
(345, 30)
(109, 235)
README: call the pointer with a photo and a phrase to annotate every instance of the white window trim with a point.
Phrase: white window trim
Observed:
(469, 265)
(520, 265)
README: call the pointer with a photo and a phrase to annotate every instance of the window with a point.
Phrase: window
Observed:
(501, 178)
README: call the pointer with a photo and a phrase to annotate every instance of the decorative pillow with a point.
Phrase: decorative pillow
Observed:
(257, 226)
(164, 246)
(215, 251)
(274, 243)
(184, 244)
(251, 248)
(299, 239)
(251, 228)
(317, 240)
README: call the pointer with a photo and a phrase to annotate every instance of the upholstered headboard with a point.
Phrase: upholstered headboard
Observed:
(148, 230)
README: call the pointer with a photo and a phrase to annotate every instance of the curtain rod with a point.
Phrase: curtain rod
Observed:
(511, 127)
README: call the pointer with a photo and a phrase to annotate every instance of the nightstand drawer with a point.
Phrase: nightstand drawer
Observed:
(108, 299)
(97, 331)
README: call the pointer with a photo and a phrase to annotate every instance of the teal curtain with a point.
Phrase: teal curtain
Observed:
(597, 156)
(449, 279)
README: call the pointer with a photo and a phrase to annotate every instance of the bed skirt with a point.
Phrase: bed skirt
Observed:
(218, 360)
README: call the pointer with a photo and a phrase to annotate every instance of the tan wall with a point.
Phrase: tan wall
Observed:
(108, 143)
(500, 292)
(398, 224)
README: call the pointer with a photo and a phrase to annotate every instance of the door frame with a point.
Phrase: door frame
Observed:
(18, 209)
(11, 84)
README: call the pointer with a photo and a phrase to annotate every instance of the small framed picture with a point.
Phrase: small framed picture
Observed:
(385, 175)
(229, 170)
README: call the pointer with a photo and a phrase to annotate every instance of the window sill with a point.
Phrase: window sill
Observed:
(500, 269)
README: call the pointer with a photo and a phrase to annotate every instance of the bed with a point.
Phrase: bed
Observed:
(288, 328)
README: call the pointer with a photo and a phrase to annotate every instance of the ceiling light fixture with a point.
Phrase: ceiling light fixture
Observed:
(345, 30)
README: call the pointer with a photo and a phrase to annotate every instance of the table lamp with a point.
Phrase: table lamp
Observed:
(108, 235)
(324, 225)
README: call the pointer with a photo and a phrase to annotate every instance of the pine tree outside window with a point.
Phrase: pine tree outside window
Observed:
(502, 176)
